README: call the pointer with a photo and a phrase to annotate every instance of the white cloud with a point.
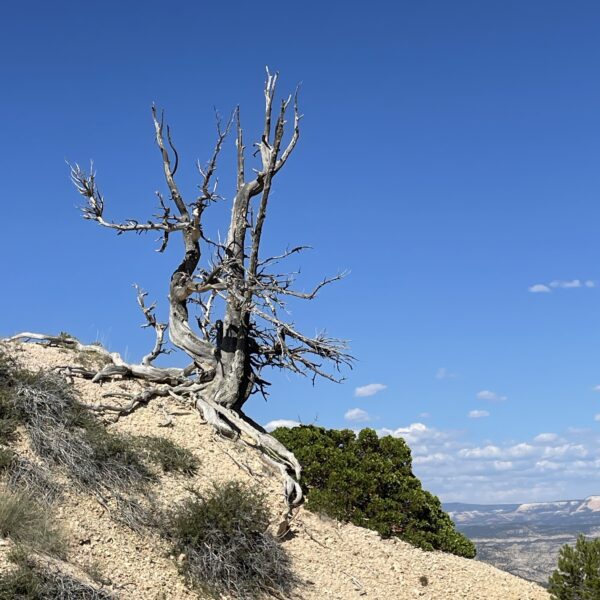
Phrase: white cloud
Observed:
(424, 415)
(547, 465)
(520, 450)
(539, 288)
(564, 284)
(271, 425)
(545, 437)
(490, 396)
(444, 373)
(357, 414)
(369, 390)
(478, 414)
(415, 433)
(503, 465)
(435, 458)
(573, 283)
(597, 417)
(485, 452)
(596, 388)
(565, 450)
(578, 430)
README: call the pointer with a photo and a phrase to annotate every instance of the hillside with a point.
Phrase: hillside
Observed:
(332, 560)
(525, 539)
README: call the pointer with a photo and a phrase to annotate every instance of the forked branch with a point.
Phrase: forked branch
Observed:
(151, 321)
(237, 329)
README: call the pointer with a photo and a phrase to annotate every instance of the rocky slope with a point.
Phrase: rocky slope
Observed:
(333, 560)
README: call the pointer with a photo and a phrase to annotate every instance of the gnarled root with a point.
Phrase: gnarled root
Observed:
(230, 423)
(175, 383)
(116, 367)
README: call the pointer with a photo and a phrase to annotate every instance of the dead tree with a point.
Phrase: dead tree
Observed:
(228, 351)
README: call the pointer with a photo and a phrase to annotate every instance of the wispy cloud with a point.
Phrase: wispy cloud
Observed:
(544, 438)
(539, 288)
(271, 425)
(478, 414)
(444, 373)
(572, 283)
(596, 388)
(369, 390)
(564, 284)
(358, 415)
(490, 396)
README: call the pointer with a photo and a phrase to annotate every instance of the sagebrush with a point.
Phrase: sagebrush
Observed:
(226, 547)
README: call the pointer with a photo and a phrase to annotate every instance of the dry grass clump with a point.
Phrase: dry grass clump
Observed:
(30, 581)
(26, 523)
(60, 433)
(226, 547)
(170, 457)
(65, 433)
(33, 533)
(32, 479)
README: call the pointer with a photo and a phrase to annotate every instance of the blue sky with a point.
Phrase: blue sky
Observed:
(448, 158)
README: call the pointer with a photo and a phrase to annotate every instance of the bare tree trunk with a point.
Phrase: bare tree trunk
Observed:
(228, 353)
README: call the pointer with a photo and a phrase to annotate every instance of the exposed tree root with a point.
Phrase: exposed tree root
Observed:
(116, 367)
(174, 383)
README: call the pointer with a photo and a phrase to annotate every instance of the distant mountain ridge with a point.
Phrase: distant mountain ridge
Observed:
(591, 503)
(572, 514)
(524, 539)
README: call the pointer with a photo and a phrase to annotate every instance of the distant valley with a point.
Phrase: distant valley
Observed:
(524, 539)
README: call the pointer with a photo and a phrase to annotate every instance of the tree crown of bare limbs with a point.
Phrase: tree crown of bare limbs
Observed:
(230, 352)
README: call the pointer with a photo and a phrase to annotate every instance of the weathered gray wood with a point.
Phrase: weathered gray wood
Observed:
(251, 333)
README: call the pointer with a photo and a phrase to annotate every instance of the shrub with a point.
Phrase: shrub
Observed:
(166, 454)
(26, 523)
(368, 481)
(578, 574)
(227, 548)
